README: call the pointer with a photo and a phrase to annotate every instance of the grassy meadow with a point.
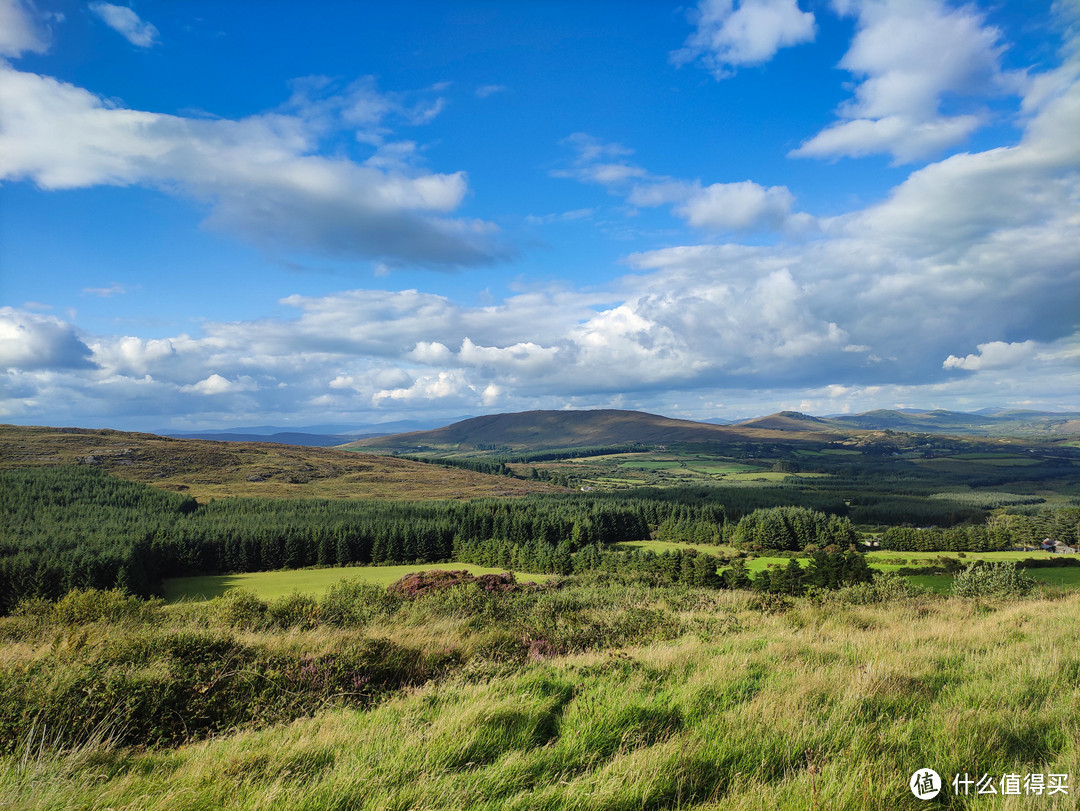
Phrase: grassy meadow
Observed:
(587, 697)
(269, 585)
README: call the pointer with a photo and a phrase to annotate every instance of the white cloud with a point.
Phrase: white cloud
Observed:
(740, 206)
(911, 55)
(113, 289)
(430, 352)
(993, 355)
(19, 31)
(450, 385)
(127, 23)
(737, 206)
(216, 384)
(524, 357)
(261, 175)
(731, 35)
(130, 355)
(483, 91)
(30, 341)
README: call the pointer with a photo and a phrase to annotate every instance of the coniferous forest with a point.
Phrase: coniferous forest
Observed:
(77, 527)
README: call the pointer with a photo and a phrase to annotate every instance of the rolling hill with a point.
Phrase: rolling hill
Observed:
(989, 422)
(570, 429)
(207, 469)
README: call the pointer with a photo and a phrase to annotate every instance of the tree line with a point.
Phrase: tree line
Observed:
(1016, 527)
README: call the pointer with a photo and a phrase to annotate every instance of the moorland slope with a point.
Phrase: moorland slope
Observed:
(571, 429)
(208, 469)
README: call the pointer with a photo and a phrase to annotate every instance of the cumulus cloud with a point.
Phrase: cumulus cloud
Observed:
(730, 35)
(737, 206)
(993, 355)
(127, 23)
(910, 55)
(216, 384)
(443, 386)
(261, 176)
(30, 341)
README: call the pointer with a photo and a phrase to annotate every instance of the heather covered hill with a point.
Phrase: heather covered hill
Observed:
(206, 469)
(789, 421)
(569, 429)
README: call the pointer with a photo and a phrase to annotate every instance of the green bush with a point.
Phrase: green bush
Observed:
(294, 611)
(352, 603)
(82, 606)
(885, 586)
(241, 608)
(998, 579)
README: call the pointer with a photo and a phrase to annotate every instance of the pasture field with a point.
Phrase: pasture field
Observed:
(882, 559)
(659, 547)
(638, 698)
(269, 585)
(1065, 579)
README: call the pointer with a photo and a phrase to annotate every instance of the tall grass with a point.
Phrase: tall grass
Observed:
(702, 699)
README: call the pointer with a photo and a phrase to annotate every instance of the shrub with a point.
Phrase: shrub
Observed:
(79, 607)
(998, 579)
(884, 587)
(294, 611)
(240, 608)
(352, 603)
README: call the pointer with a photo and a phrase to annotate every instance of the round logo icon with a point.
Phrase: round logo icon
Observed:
(925, 784)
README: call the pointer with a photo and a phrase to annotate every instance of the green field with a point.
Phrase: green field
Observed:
(659, 547)
(269, 585)
(877, 559)
(661, 464)
(724, 468)
(1059, 578)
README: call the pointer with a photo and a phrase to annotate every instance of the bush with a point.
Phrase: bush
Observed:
(885, 586)
(240, 608)
(352, 603)
(294, 611)
(79, 607)
(998, 579)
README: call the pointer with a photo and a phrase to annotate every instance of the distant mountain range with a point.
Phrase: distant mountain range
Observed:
(566, 429)
(985, 422)
(315, 436)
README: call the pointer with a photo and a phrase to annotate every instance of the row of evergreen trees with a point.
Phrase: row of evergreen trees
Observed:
(1017, 527)
(793, 529)
(827, 570)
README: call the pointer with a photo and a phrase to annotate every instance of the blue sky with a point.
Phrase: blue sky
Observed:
(239, 213)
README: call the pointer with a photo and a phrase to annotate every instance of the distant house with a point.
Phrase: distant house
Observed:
(1057, 547)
